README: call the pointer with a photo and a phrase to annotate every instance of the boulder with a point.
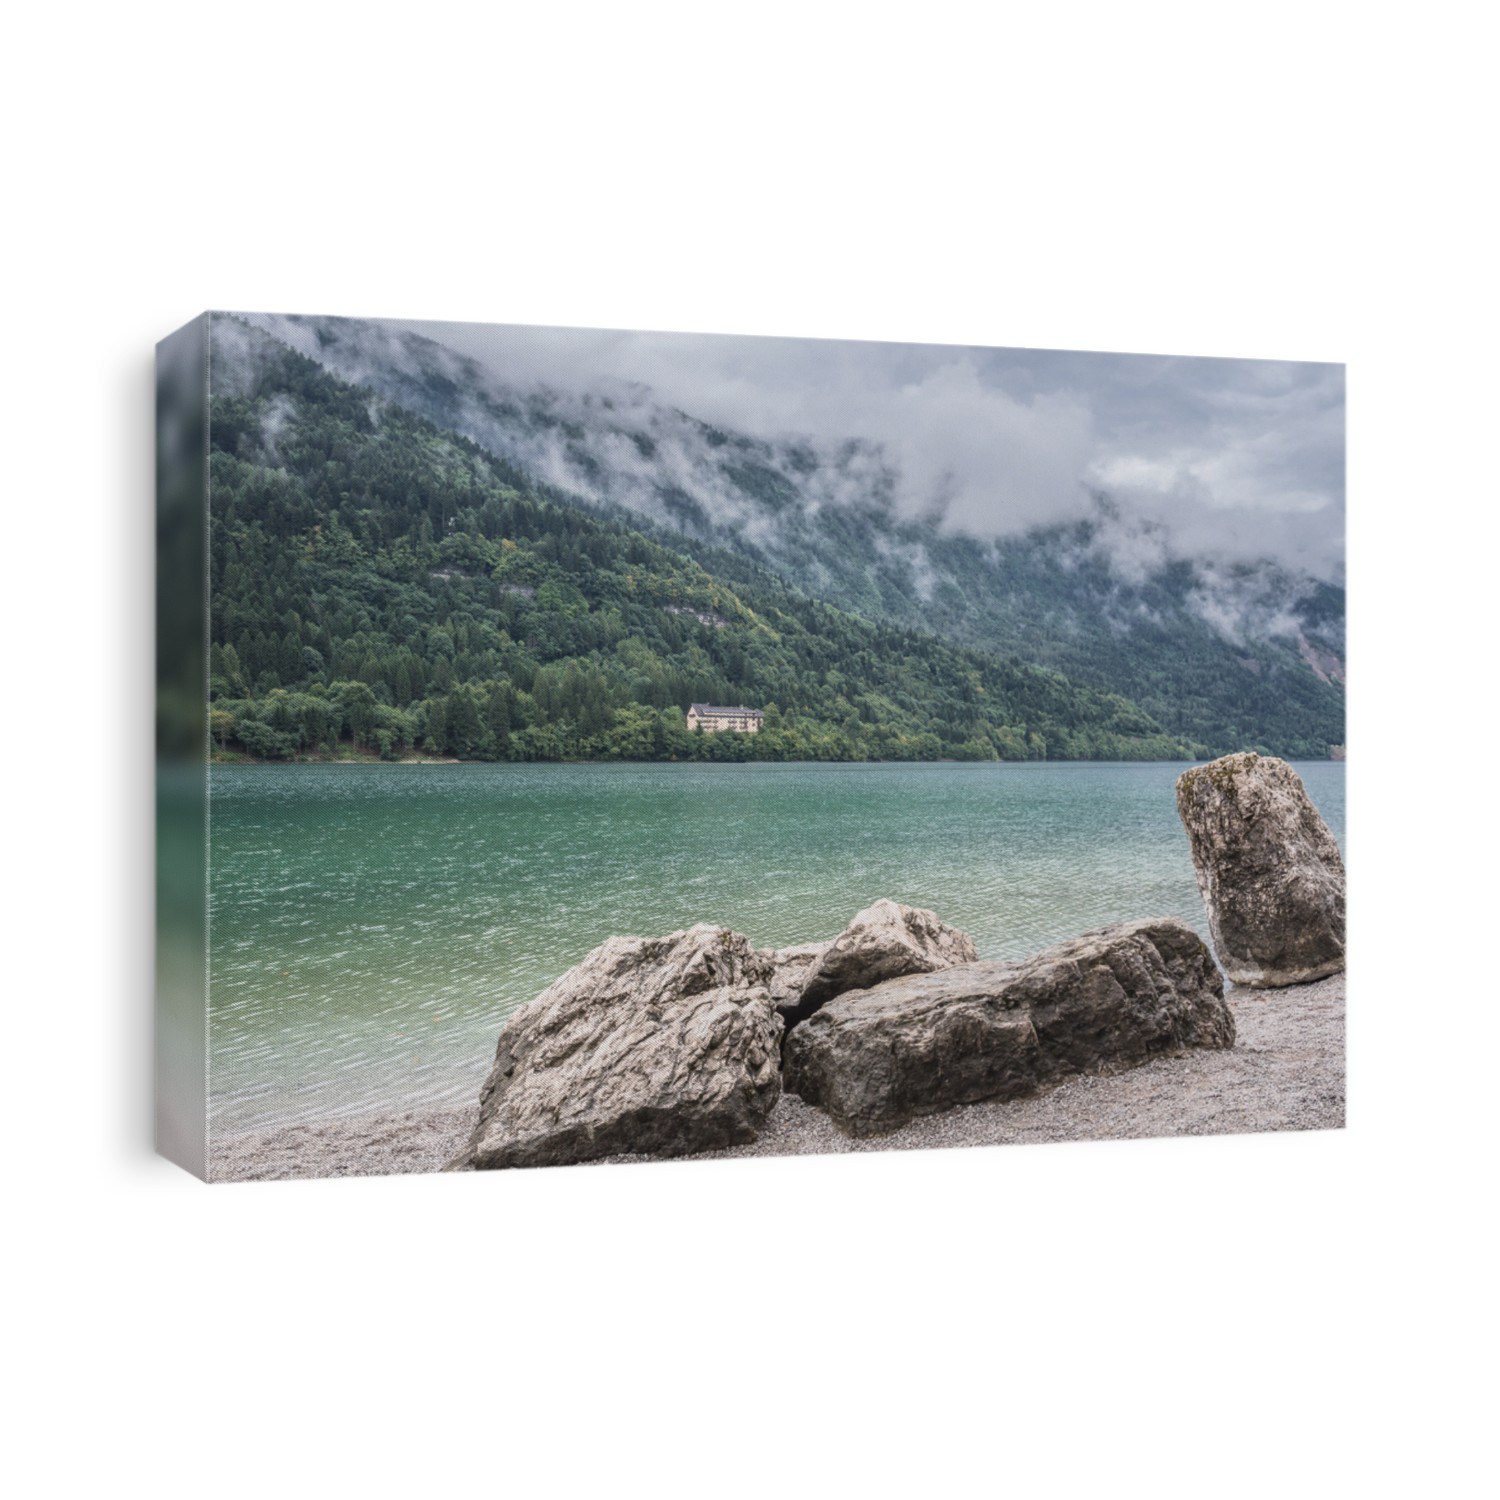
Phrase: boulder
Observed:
(790, 970)
(650, 1045)
(1109, 1000)
(884, 941)
(1268, 869)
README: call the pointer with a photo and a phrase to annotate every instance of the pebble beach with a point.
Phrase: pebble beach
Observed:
(1284, 1072)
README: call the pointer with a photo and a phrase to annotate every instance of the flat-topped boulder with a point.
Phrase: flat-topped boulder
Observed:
(1268, 869)
(659, 1046)
(1113, 999)
(884, 941)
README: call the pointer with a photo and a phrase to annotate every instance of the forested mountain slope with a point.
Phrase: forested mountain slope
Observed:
(379, 582)
(1227, 655)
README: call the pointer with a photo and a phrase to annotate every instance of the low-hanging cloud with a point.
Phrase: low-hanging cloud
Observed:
(1220, 459)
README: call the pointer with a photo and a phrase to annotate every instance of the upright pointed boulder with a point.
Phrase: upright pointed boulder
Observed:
(1269, 871)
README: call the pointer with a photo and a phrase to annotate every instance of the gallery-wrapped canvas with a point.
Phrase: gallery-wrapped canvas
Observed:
(584, 746)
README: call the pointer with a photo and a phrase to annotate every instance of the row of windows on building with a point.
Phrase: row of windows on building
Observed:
(712, 718)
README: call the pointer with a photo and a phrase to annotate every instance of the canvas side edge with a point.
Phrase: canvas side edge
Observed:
(181, 1040)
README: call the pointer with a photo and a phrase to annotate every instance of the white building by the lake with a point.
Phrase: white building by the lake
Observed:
(712, 718)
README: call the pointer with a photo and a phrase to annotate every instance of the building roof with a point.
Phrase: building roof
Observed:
(715, 708)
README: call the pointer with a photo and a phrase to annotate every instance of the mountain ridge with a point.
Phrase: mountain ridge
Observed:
(381, 582)
(1227, 656)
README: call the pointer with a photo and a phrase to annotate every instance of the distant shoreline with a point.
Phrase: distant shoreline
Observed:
(245, 761)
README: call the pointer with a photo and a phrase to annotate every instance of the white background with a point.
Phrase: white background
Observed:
(1284, 1315)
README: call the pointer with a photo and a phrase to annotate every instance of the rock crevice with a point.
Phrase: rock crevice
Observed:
(884, 941)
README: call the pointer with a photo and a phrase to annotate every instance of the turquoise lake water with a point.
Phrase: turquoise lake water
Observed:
(373, 925)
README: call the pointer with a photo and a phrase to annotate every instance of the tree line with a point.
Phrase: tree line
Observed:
(379, 586)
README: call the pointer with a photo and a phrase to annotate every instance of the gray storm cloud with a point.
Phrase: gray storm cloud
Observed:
(1204, 458)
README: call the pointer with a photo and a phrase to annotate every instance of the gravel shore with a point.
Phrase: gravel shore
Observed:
(1285, 1072)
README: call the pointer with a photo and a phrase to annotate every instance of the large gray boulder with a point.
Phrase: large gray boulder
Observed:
(1268, 869)
(650, 1045)
(1103, 1002)
(884, 941)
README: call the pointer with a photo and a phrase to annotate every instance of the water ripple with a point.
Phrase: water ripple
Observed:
(372, 926)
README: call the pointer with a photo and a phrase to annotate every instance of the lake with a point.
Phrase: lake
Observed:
(372, 926)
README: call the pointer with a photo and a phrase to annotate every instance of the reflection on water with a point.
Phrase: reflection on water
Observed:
(373, 925)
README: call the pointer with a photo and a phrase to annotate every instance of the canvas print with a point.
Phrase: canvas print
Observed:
(583, 746)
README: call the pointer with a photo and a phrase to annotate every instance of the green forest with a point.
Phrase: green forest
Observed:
(1231, 654)
(382, 588)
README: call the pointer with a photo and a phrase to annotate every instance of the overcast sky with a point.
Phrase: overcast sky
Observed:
(1236, 458)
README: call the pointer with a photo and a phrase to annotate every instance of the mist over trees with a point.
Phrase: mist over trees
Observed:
(1203, 628)
(382, 587)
